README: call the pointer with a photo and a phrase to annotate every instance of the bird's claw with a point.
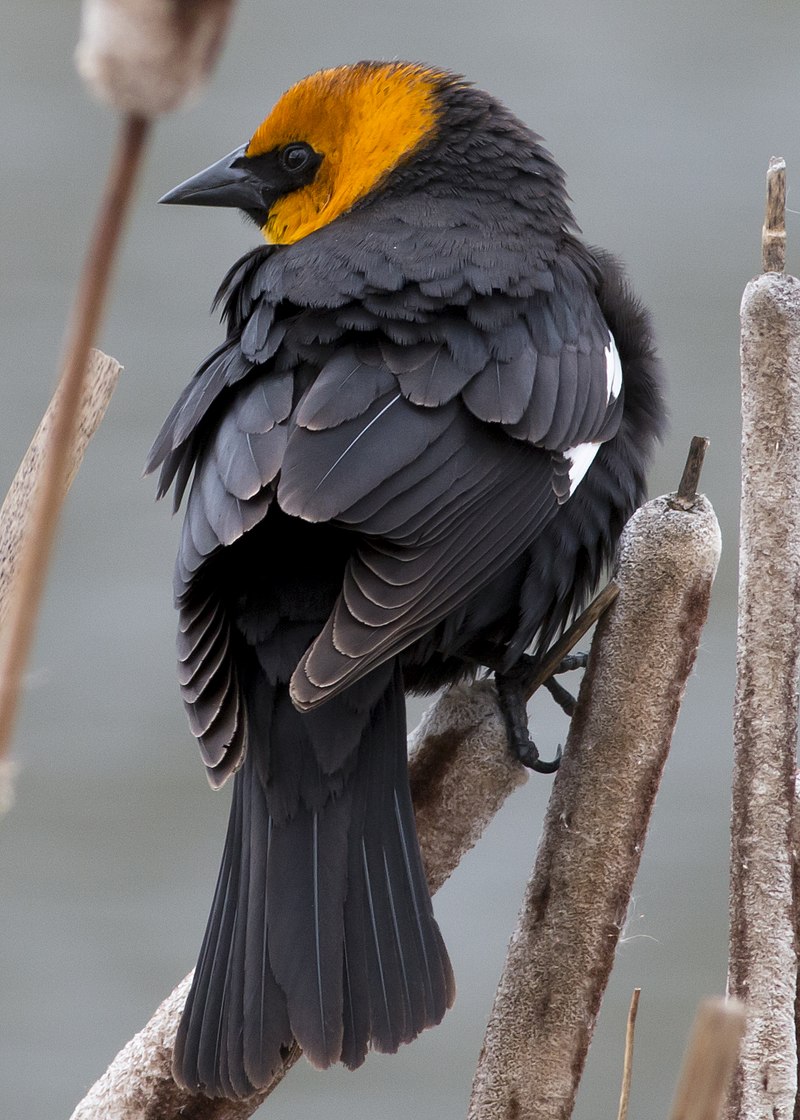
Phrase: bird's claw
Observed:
(512, 689)
(513, 706)
(529, 756)
(562, 696)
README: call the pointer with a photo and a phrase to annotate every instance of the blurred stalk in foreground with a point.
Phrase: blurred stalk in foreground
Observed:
(145, 57)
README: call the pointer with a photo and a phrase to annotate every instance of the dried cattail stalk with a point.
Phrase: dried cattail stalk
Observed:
(762, 968)
(561, 953)
(101, 380)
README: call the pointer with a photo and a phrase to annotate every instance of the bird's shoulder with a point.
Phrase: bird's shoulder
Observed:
(415, 281)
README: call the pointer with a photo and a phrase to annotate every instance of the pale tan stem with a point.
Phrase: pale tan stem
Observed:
(15, 513)
(773, 234)
(576, 901)
(87, 311)
(709, 1061)
(101, 380)
(762, 968)
(627, 1067)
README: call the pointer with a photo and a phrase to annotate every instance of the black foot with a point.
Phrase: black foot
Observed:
(512, 697)
(512, 690)
(562, 696)
(565, 700)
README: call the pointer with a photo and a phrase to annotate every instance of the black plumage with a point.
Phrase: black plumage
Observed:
(429, 420)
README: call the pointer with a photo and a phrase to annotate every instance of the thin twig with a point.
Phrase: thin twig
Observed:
(627, 1066)
(686, 494)
(570, 638)
(709, 1060)
(81, 332)
(773, 234)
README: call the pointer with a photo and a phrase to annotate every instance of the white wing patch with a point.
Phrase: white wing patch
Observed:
(581, 456)
(613, 369)
(580, 459)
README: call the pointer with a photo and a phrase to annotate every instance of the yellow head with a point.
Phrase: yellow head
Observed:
(329, 141)
(362, 120)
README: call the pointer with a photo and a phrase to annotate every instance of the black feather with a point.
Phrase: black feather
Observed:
(326, 472)
(426, 373)
(501, 391)
(345, 388)
(538, 416)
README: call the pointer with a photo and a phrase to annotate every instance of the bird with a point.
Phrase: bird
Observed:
(409, 459)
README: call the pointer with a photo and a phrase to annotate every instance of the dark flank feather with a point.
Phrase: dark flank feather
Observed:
(430, 418)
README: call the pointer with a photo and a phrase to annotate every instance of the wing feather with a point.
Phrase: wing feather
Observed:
(392, 595)
(444, 435)
(345, 388)
(324, 473)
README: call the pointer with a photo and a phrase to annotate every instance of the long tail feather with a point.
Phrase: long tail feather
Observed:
(322, 929)
(398, 978)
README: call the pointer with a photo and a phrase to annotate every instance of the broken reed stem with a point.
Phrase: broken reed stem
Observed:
(709, 1061)
(570, 638)
(461, 772)
(82, 329)
(101, 380)
(686, 494)
(15, 512)
(762, 967)
(773, 233)
(627, 1065)
(562, 950)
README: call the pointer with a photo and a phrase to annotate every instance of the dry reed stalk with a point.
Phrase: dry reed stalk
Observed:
(709, 1061)
(562, 951)
(86, 314)
(762, 969)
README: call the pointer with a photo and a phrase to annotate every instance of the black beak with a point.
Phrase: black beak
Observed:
(228, 182)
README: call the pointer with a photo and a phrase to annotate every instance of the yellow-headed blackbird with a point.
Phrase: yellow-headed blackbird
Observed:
(412, 455)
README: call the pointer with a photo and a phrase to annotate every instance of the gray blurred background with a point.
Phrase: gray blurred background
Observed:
(664, 117)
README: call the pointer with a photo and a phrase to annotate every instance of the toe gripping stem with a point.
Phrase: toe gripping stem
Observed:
(516, 686)
(512, 698)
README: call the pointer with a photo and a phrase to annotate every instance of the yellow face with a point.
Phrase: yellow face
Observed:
(362, 120)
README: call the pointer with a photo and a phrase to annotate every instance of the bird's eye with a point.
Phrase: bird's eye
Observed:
(295, 157)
